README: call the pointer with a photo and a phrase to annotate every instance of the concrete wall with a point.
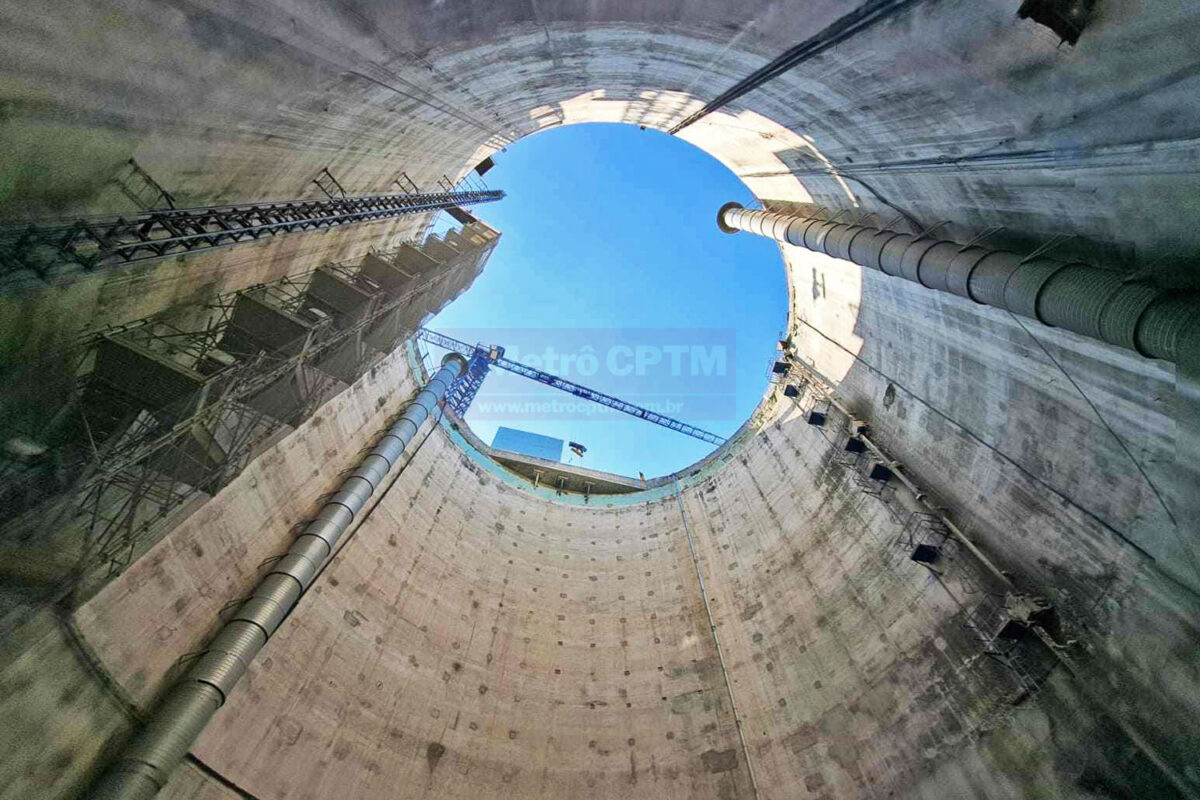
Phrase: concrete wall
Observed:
(470, 640)
(949, 111)
(190, 782)
(856, 676)
(253, 100)
(62, 716)
(426, 661)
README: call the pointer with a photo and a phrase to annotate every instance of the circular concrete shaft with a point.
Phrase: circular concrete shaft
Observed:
(480, 637)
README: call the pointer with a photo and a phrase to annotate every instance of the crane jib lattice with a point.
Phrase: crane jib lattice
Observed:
(472, 351)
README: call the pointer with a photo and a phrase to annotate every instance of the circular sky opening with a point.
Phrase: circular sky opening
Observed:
(611, 273)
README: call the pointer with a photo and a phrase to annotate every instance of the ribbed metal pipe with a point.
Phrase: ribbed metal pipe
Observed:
(147, 762)
(1078, 297)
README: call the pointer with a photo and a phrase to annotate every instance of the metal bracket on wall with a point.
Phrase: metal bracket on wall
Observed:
(1067, 18)
(134, 182)
(933, 228)
(328, 184)
(408, 186)
(1054, 242)
(988, 231)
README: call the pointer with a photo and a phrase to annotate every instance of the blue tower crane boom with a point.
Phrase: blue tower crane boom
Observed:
(481, 358)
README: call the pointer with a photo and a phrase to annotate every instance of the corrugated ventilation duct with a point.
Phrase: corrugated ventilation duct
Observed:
(1082, 298)
(147, 762)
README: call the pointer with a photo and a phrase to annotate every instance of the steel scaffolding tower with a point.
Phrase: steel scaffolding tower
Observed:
(173, 406)
(490, 357)
(459, 398)
(94, 242)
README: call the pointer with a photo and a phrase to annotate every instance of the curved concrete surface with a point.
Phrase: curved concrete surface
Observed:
(449, 652)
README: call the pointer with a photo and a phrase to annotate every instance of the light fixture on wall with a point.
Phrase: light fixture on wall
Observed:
(1067, 18)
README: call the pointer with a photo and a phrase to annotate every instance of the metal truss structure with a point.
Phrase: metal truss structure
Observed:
(460, 395)
(94, 242)
(173, 407)
(472, 352)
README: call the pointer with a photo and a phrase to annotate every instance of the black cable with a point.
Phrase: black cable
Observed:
(843, 28)
(219, 777)
(1162, 502)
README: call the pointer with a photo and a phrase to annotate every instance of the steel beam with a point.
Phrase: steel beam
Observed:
(45, 251)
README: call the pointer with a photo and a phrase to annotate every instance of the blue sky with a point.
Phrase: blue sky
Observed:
(610, 248)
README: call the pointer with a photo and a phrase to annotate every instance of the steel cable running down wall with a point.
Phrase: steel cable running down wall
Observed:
(147, 762)
(860, 19)
(712, 627)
